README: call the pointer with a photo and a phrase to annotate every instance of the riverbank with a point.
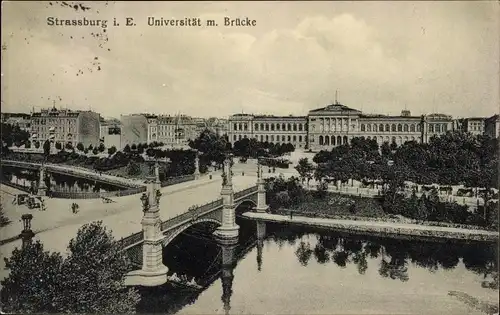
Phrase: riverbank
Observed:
(381, 227)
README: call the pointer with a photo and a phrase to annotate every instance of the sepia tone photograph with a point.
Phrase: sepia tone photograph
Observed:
(230, 157)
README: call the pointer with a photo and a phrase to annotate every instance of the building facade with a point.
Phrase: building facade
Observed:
(134, 129)
(110, 133)
(336, 124)
(492, 126)
(473, 125)
(66, 126)
(273, 129)
(174, 131)
(21, 120)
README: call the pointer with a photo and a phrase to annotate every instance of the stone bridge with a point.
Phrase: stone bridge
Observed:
(145, 248)
(68, 170)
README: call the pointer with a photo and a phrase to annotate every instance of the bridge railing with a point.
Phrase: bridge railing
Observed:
(245, 192)
(132, 239)
(96, 195)
(190, 214)
(70, 170)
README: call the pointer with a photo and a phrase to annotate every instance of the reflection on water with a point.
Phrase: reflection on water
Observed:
(55, 181)
(291, 270)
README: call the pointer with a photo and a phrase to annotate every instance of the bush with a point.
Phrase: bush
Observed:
(133, 168)
(112, 150)
(80, 146)
(58, 146)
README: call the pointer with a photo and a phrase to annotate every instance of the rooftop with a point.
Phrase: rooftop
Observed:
(337, 107)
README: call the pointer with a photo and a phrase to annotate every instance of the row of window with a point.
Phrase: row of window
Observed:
(56, 129)
(54, 121)
(338, 140)
(271, 138)
(390, 128)
(271, 127)
(438, 127)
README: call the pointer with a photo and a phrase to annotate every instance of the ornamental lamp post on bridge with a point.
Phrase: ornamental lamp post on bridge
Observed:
(229, 230)
(42, 188)
(261, 190)
(153, 272)
(197, 164)
(27, 234)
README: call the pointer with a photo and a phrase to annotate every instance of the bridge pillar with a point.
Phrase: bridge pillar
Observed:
(153, 272)
(261, 191)
(229, 230)
(42, 188)
(197, 165)
(261, 234)
(227, 276)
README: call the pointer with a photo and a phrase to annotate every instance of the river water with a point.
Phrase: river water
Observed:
(296, 270)
(56, 182)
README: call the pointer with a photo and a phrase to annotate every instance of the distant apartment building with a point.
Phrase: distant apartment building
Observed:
(473, 125)
(21, 120)
(174, 131)
(219, 126)
(134, 129)
(492, 126)
(65, 126)
(110, 133)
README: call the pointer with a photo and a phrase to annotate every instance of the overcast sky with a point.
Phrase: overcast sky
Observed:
(381, 57)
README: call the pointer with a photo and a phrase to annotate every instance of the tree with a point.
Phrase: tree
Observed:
(112, 150)
(13, 134)
(95, 151)
(80, 146)
(385, 149)
(89, 280)
(36, 144)
(46, 148)
(27, 144)
(104, 265)
(305, 169)
(68, 146)
(58, 145)
(126, 149)
(101, 147)
(33, 282)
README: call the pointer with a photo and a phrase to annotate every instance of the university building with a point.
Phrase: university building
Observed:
(274, 129)
(336, 124)
(65, 126)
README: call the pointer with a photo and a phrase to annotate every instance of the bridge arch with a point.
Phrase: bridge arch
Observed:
(171, 234)
(242, 204)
